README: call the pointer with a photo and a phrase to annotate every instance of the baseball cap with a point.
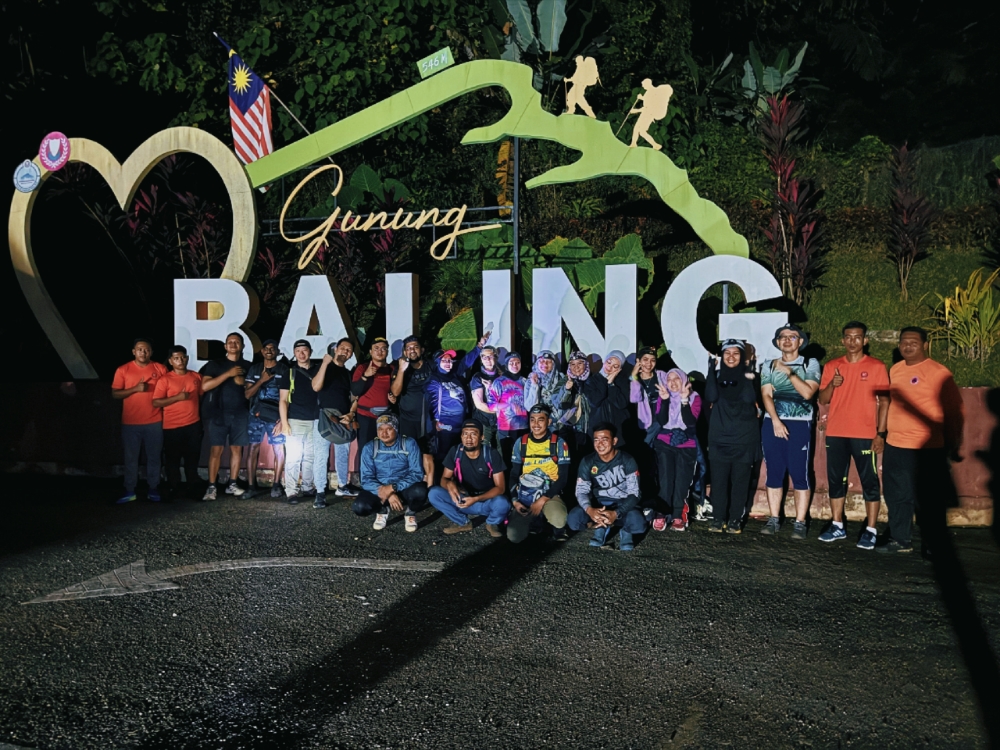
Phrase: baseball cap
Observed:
(472, 424)
(644, 351)
(302, 342)
(733, 344)
(541, 409)
(272, 342)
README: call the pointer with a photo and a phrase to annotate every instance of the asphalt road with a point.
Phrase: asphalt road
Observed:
(693, 640)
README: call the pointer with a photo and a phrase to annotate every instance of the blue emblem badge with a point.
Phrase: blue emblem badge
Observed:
(27, 176)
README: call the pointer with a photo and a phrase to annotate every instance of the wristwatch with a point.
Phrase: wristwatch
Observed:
(884, 434)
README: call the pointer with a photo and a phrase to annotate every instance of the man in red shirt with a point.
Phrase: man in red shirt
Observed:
(178, 393)
(142, 423)
(370, 385)
(856, 387)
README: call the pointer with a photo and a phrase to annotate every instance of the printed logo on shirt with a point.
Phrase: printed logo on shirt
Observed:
(593, 470)
(914, 380)
(864, 376)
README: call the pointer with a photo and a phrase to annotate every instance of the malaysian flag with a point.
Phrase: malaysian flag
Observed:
(249, 111)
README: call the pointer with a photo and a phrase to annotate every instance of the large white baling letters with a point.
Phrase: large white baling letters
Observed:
(554, 303)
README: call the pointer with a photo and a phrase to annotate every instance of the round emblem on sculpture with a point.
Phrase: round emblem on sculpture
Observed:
(27, 176)
(54, 151)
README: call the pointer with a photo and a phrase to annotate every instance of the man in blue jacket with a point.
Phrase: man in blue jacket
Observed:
(392, 476)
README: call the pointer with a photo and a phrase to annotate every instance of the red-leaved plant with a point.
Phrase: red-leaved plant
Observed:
(912, 216)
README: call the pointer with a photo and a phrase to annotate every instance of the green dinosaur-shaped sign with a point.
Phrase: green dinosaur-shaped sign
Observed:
(602, 153)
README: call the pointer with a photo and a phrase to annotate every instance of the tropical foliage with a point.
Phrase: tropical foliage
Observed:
(968, 320)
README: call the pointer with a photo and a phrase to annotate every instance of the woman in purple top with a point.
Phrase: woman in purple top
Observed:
(506, 399)
(643, 389)
(677, 410)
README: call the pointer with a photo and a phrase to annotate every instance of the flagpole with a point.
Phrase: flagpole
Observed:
(283, 105)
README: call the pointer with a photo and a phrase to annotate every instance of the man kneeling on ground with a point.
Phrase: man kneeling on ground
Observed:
(392, 476)
(611, 478)
(539, 472)
(472, 484)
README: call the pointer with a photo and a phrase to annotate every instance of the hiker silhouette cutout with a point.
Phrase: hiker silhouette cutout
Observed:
(654, 107)
(585, 75)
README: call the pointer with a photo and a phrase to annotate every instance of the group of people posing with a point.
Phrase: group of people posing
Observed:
(477, 436)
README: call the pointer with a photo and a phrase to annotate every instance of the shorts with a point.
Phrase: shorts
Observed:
(839, 452)
(256, 429)
(789, 456)
(231, 425)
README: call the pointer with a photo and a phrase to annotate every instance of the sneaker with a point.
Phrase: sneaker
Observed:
(293, 499)
(154, 496)
(733, 527)
(411, 523)
(799, 530)
(867, 540)
(211, 493)
(892, 546)
(772, 526)
(250, 491)
(456, 529)
(234, 489)
(320, 501)
(678, 524)
(625, 543)
(560, 535)
(717, 526)
(380, 521)
(276, 491)
(660, 523)
(346, 491)
(833, 533)
(494, 530)
(600, 537)
(128, 497)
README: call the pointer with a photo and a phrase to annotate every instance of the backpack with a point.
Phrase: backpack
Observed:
(461, 452)
(553, 445)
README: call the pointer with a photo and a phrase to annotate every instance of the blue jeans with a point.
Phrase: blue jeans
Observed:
(495, 509)
(341, 462)
(150, 437)
(633, 523)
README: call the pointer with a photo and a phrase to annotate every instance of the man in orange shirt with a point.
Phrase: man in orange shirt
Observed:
(142, 426)
(925, 429)
(856, 387)
(178, 393)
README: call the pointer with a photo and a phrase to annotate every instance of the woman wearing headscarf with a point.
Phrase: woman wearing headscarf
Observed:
(545, 385)
(677, 410)
(583, 397)
(733, 434)
(614, 410)
(448, 400)
(506, 399)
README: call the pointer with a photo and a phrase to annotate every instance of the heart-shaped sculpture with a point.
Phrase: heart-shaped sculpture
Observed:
(124, 180)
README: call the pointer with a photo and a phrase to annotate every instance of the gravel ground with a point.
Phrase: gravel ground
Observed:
(694, 640)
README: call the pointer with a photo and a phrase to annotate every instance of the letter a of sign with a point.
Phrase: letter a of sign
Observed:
(319, 293)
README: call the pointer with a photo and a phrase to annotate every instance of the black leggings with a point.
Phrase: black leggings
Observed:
(675, 469)
(726, 503)
(414, 498)
(182, 443)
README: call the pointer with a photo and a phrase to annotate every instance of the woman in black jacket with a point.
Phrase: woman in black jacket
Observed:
(581, 403)
(615, 409)
(733, 434)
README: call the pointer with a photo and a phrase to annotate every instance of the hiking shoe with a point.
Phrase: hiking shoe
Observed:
(211, 493)
(154, 496)
(772, 526)
(380, 521)
(892, 546)
(320, 501)
(234, 489)
(128, 497)
(456, 529)
(717, 527)
(678, 525)
(560, 535)
(494, 530)
(411, 523)
(734, 528)
(833, 533)
(867, 540)
(600, 537)
(799, 530)
(625, 543)
(346, 490)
